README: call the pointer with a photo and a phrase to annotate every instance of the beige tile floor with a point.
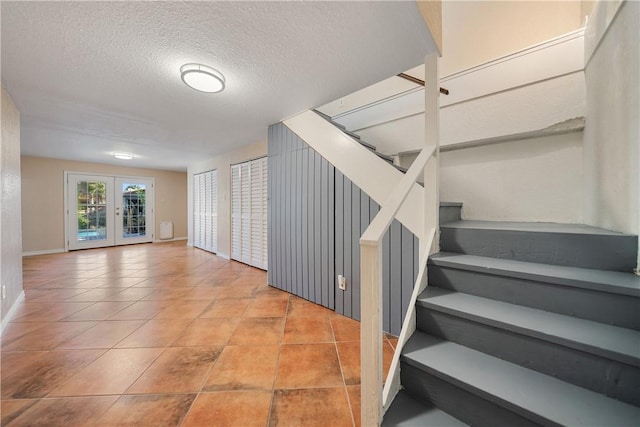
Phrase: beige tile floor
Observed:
(166, 335)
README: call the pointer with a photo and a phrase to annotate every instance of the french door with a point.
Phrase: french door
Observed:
(107, 210)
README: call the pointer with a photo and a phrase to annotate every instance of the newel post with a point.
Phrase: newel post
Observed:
(371, 333)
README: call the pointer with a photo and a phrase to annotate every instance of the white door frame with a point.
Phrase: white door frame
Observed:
(111, 223)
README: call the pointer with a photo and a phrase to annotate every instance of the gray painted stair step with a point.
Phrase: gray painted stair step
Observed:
(537, 397)
(450, 212)
(366, 144)
(619, 344)
(599, 280)
(408, 412)
(355, 136)
(609, 297)
(548, 243)
(384, 157)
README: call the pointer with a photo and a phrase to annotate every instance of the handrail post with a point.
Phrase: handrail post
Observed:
(432, 139)
(371, 333)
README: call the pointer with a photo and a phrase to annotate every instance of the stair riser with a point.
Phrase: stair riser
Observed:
(609, 377)
(619, 310)
(450, 214)
(461, 404)
(603, 252)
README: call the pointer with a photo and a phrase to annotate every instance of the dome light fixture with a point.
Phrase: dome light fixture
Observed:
(202, 78)
(123, 156)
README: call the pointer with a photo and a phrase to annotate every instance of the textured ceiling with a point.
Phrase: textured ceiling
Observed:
(90, 78)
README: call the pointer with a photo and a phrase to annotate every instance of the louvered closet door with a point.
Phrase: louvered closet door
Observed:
(213, 195)
(207, 212)
(245, 202)
(205, 207)
(249, 213)
(197, 184)
(236, 213)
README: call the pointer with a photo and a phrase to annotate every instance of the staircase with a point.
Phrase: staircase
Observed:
(357, 138)
(524, 324)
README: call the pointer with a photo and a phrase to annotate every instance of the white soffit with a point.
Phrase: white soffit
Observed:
(91, 78)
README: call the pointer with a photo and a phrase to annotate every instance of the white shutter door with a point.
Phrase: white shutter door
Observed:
(205, 211)
(203, 230)
(236, 214)
(256, 213)
(196, 211)
(264, 213)
(245, 197)
(249, 213)
(213, 195)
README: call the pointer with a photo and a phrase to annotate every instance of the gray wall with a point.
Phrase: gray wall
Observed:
(316, 218)
(301, 220)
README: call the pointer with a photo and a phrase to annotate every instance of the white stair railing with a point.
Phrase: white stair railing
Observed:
(371, 266)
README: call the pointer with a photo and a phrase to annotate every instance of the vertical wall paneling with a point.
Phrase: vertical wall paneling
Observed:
(396, 274)
(339, 231)
(347, 240)
(205, 211)
(331, 172)
(317, 216)
(304, 227)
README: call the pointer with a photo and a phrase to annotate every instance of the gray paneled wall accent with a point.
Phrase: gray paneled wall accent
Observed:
(354, 211)
(316, 217)
(301, 218)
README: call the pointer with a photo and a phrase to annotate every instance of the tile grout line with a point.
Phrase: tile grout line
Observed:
(275, 374)
(344, 383)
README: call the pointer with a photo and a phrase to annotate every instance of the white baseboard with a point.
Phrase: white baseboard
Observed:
(43, 252)
(169, 240)
(11, 312)
(222, 255)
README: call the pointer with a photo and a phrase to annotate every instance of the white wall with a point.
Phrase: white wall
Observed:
(474, 32)
(45, 177)
(10, 220)
(525, 91)
(612, 135)
(222, 164)
(538, 180)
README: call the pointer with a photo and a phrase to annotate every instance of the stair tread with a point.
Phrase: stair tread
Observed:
(352, 134)
(405, 411)
(366, 144)
(384, 157)
(513, 386)
(540, 227)
(600, 280)
(608, 341)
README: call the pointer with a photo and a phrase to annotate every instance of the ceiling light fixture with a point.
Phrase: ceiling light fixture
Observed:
(202, 78)
(123, 156)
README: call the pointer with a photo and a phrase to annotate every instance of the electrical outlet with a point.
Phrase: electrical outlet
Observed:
(342, 282)
(4, 291)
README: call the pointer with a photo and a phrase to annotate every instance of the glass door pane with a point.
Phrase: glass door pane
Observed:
(134, 210)
(90, 203)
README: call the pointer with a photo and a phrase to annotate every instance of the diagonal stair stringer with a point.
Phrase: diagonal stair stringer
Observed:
(363, 167)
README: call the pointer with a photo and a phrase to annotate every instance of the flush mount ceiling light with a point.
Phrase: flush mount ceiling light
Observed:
(123, 156)
(202, 78)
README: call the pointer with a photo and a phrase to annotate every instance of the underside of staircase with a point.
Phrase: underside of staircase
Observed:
(524, 324)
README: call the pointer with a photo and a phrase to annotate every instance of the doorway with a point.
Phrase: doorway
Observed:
(107, 210)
